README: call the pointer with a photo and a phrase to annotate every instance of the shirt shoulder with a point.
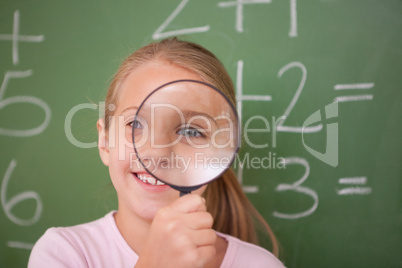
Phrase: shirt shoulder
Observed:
(54, 248)
(93, 244)
(242, 254)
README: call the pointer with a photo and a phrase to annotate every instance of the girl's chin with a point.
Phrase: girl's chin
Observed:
(147, 209)
(148, 214)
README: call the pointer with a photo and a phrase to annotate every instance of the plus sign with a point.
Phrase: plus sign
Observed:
(240, 98)
(15, 37)
(239, 91)
(239, 9)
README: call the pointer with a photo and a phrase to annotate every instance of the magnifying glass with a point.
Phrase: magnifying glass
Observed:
(186, 134)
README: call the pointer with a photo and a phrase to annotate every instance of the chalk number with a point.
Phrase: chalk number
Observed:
(9, 204)
(297, 187)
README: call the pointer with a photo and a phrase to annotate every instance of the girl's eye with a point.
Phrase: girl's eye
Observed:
(135, 124)
(190, 132)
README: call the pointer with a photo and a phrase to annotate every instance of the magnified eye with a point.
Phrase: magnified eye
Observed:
(136, 124)
(190, 132)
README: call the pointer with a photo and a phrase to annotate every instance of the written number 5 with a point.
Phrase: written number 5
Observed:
(22, 99)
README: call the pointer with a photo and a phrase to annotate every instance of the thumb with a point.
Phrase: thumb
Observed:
(190, 203)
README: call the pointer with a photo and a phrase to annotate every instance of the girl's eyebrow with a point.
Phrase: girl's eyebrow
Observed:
(129, 108)
(190, 113)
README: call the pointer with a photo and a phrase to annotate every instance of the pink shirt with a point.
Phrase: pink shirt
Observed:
(100, 244)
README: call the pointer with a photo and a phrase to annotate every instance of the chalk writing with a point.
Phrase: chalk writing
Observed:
(22, 99)
(20, 245)
(239, 9)
(9, 203)
(296, 187)
(280, 126)
(360, 190)
(240, 97)
(293, 19)
(12, 202)
(15, 37)
(360, 86)
(159, 32)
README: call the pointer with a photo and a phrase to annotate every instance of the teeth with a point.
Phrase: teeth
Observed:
(149, 179)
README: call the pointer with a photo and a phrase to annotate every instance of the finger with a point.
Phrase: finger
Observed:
(204, 237)
(199, 220)
(189, 203)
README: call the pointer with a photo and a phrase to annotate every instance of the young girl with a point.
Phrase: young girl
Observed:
(153, 226)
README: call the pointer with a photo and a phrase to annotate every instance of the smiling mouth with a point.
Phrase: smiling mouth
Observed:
(145, 178)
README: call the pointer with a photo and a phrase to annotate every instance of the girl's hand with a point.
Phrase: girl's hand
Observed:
(180, 236)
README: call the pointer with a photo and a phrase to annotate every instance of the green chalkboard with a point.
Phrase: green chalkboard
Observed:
(323, 75)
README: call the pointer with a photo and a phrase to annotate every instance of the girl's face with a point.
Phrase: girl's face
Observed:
(115, 145)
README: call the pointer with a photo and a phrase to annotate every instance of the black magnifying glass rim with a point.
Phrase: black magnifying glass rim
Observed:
(187, 189)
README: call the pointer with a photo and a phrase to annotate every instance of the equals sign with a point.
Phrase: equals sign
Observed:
(359, 187)
(361, 86)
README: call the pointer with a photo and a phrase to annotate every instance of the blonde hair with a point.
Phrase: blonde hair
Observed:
(233, 213)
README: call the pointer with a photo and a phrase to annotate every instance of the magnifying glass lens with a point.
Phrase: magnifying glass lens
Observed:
(186, 133)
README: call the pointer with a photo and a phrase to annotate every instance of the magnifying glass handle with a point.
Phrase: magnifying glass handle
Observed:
(185, 190)
(184, 193)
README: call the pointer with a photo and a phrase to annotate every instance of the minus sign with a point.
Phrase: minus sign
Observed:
(354, 190)
(255, 98)
(353, 98)
(354, 86)
(21, 245)
(250, 189)
(353, 180)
